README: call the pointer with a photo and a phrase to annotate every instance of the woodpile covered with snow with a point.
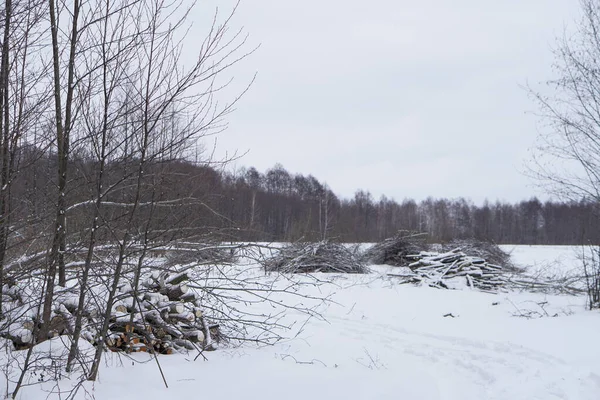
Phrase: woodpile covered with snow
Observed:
(472, 263)
(167, 317)
(457, 269)
(489, 251)
(163, 316)
(438, 269)
(322, 256)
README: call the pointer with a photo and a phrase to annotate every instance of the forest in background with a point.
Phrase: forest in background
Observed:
(280, 206)
(108, 207)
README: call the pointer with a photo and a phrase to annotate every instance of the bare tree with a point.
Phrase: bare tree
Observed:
(567, 160)
(160, 87)
(591, 269)
(125, 106)
(63, 125)
(103, 109)
(22, 102)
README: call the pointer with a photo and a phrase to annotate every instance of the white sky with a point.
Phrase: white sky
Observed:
(403, 98)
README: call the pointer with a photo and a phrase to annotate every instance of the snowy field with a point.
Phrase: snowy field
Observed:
(382, 340)
(547, 260)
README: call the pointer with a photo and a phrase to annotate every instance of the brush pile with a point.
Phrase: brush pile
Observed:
(322, 256)
(397, 250)
(451, 269)
(570, 285)
(473, 263)
(489, 251)
(200, 253)
(456, 269)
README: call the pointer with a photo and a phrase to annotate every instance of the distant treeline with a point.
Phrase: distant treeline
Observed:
(280, 206)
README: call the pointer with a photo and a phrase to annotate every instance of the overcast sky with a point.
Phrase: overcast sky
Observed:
(404, 98)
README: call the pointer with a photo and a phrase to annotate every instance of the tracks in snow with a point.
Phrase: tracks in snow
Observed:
(497, 370)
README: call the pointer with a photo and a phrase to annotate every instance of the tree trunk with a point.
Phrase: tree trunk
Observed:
(4, 129)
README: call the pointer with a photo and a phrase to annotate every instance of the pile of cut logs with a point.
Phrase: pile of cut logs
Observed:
(435, 269)
(165, 317)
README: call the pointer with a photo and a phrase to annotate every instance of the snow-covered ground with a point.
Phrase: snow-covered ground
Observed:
(382, 340)
(547, 260)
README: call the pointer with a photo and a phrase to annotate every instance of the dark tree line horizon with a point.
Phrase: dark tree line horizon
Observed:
(281, 206)
(276, 205)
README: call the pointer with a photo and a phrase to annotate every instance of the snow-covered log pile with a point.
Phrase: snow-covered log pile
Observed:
(489, 251)
(456, 269)
(322, 256)
(438, 269)
(397, 250)
(163, 316)
(18, 317)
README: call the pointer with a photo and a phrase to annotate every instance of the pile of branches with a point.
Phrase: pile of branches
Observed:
(163, 316)
(400, 250)
(489, 251)
(322, 256)
(208, 253)
(565, 285)
(397, 250)
(437, 269)
(201, 253)
(453, 269)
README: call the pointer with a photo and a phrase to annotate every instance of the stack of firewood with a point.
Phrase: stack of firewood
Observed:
(18, 323)
(436, 269)
(164, 317)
